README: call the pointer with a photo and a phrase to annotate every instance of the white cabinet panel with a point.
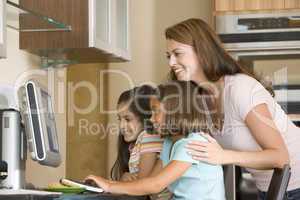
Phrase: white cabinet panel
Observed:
(3, 29)
(108, 27)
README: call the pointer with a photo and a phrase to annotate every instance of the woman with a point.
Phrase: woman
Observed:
(254, 132)
(137, 151)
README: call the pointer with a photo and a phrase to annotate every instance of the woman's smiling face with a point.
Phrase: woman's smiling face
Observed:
(183, 62)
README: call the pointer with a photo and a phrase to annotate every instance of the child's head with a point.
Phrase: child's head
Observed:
(182, 107)
(134, 111)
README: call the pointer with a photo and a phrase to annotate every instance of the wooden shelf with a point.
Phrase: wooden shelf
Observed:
(218, 13)
(222, 7)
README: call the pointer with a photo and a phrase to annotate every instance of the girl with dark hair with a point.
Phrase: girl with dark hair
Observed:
(181, 112)
(137, 150)
(255, 132)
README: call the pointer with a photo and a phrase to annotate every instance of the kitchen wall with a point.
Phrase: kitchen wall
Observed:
(86, 150)
(18, 66)
(148, 19)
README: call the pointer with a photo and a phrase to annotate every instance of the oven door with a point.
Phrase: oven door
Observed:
(277, 65)
(261, 41)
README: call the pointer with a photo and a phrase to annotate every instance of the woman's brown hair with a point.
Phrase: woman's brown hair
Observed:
(212, 57)
(187, 108)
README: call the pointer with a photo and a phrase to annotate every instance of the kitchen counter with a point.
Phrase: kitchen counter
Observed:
(42, 195)
(7, 194)
(103, 196)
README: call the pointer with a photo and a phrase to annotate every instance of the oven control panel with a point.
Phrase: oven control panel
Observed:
(270, 22)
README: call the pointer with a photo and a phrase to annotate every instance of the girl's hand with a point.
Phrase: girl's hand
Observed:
(129, 176)
(101, 182)
(210, 152)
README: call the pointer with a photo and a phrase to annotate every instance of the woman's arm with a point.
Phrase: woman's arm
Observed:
(274, 152)
(149, 185)
(261, 125)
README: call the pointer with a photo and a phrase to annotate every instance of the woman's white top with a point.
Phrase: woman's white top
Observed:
(241, 94)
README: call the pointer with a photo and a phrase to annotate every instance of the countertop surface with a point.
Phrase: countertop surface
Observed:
(43, 195)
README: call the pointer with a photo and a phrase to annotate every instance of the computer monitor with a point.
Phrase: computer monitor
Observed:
(40, 127)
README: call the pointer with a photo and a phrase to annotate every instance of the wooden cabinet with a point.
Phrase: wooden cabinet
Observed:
(259, 4)
(292, 4)
(225, 5)
(99, 32)
(255, 5)
(3, 28)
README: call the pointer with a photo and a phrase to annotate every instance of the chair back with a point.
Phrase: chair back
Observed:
(279, 183)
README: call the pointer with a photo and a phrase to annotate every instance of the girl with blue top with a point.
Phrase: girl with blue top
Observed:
(179, 114)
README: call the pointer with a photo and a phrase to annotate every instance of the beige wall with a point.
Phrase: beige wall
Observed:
(17, 66)
(86, 150)
(148, 19)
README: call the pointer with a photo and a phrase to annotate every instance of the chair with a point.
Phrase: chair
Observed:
(279, 183)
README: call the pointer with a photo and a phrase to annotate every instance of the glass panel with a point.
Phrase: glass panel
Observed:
(57, 62)
(45, 23)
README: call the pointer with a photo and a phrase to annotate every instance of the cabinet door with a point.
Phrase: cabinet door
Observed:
(259, 4)
(121, 27)
(247, 5)
(108, 27)
(3, 29)
(99, 24)
(224, 5)
(292, 4)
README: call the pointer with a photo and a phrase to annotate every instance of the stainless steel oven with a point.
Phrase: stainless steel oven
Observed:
(267, 38)
(252, 32)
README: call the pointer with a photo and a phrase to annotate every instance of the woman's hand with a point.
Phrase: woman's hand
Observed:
(101, 182)
(129, 176)
(210, 152)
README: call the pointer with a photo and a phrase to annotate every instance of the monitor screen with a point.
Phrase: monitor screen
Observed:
(39, 120)
(50, 121)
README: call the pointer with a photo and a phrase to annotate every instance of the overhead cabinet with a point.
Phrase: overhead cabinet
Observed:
(292, 4)
(255, 5)
(99, 29)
